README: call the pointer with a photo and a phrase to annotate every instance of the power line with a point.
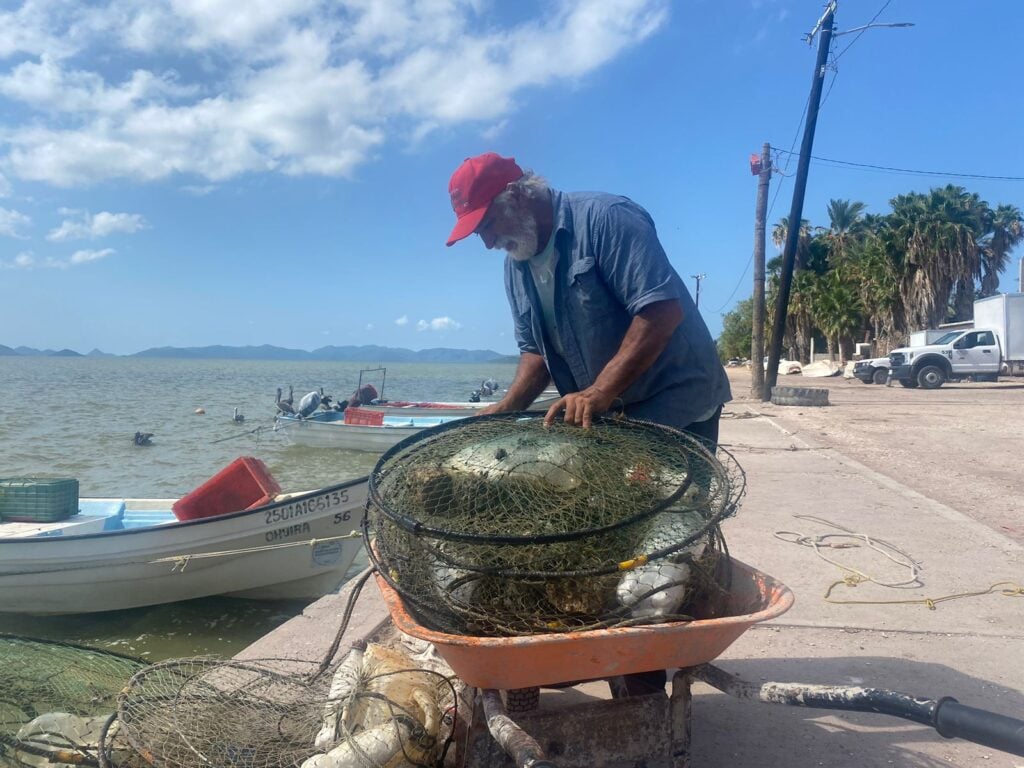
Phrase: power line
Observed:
(771, 207)
(862, 31)
(911, 171)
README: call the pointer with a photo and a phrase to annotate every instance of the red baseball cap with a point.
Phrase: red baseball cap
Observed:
(474, 185)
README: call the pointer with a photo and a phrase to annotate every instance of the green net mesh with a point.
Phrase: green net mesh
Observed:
(55, 699)
(375, 708)
(499, 526)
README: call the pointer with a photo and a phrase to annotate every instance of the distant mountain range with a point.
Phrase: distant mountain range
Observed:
(353, 354)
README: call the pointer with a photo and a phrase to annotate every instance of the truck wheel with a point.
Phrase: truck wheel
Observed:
(805, 396)
(908, 383)
(880, 375)
(931, 377)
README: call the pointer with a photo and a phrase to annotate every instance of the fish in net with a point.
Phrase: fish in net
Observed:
(501, 526)
(376, 709)
(56, 703)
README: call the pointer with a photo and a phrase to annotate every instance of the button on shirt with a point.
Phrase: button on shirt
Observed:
(609, 266)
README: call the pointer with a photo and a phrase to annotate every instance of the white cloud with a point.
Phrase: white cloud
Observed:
(5, 186)
(27, 260)
(24, 260)
(90, 226)
(438, 324)
(84, 257)
(403, 320)
(369, 326)
(11, 220)
(144, 91)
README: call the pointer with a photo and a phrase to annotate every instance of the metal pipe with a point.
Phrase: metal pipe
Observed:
(517, 743)
(950, 718)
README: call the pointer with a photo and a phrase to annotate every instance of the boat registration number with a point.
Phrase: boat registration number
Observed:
(305, 507)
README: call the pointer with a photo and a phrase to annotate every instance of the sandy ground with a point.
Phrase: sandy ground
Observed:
(961, 444)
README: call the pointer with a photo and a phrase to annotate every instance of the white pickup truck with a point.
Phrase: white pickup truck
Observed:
(979, 353)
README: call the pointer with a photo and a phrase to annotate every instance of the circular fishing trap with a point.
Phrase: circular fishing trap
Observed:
(277, 713)
(500, 526)
(56, 697)
(213, 712)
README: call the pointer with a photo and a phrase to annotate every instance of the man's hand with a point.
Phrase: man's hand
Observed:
(492, 408)
(580, 407)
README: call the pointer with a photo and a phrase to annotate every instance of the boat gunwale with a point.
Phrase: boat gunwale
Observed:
(178, 524)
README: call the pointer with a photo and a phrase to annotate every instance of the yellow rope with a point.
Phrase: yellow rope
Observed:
(1013, 590)
(854, 578)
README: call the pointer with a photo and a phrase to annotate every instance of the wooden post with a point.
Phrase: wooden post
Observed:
(757, 326)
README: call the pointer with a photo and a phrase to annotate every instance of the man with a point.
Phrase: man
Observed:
(597, 308)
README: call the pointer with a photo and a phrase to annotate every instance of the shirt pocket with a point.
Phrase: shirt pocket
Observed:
(588, 296)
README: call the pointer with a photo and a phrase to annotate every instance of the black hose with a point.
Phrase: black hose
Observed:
(950, 718)
(955, 720)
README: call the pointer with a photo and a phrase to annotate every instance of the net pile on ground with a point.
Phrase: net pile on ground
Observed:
(375, 708)
(500, 526)
(55, 701)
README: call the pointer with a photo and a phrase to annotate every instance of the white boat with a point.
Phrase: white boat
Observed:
(128, 553)
(335, 429)
(449, 409)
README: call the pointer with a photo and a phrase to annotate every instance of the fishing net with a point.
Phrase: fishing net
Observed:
(500, 526)
(375, 708)
(56, 699)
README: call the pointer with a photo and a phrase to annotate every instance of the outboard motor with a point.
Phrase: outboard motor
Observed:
(308, 404)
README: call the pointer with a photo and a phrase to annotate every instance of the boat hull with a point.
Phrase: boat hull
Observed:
(335, 433)
(289, 549)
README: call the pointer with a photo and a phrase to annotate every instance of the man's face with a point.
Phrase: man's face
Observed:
(511, 227)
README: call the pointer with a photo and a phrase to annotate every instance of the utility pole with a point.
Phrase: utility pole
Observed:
(757, 326)
(825, 26)
(698, 278)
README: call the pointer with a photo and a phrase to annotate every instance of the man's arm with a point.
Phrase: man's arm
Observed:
(646, 338)
(531, 378)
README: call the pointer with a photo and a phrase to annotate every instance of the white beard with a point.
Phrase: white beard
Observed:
(523, 242)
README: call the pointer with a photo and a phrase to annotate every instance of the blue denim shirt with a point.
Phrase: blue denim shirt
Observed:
(610, 266)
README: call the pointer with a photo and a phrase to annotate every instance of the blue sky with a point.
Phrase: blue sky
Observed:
(178, 172)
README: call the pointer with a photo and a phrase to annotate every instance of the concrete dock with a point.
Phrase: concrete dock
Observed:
(884, 637)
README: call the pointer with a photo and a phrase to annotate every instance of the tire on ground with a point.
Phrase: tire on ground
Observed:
(880, 375)
(931, 377)
(805, 396)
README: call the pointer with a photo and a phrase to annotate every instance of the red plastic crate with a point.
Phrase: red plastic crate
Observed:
(364, 417)
(242, 484)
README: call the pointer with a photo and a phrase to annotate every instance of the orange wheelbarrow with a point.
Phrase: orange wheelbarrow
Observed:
(519, 664)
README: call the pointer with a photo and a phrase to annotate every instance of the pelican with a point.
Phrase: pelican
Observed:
(284, 406)
(142, 438)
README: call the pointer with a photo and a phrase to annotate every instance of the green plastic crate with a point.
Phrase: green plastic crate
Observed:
(38, 500)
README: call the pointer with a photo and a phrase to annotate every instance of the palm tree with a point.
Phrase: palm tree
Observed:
(1006, 231)
(844, 218)
(836, 310)
(938, 234)
(803, 242)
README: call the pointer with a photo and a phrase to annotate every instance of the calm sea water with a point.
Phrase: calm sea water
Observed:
(75, 417)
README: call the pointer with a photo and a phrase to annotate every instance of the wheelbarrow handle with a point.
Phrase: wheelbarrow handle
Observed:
(955, 720)
(946, 715)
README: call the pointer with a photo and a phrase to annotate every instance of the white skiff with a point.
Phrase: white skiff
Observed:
(127, 553)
